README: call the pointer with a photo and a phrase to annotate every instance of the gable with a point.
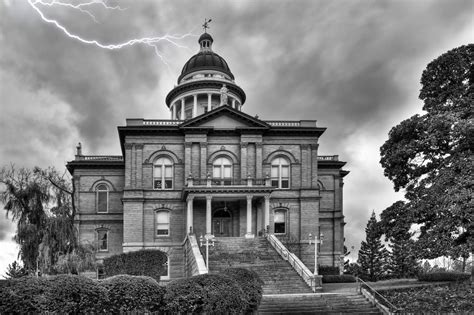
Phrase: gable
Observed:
(224, 122)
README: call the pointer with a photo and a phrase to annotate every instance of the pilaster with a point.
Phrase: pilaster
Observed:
(203, 164)
(243, 160)
(187, 159)
(258, 160)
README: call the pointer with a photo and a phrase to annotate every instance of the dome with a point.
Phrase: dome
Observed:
(205, 59)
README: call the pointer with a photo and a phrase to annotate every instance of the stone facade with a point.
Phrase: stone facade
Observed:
(210, 169)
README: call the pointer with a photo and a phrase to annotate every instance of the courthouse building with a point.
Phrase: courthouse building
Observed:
(210, 169)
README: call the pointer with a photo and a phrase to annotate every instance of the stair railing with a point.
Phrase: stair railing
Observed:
(378, 299)
(295, 262)
(194, 264)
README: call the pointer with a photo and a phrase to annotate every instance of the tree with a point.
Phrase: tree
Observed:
(430, 157)
(372, 254)
(40, 202)
(14, 270)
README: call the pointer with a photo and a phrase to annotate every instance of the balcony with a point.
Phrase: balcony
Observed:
(228, 182)
(328, 157)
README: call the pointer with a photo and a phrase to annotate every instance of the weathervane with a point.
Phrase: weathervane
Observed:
(205, 26)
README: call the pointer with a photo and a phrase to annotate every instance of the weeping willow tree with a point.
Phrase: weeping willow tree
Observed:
(41, 203)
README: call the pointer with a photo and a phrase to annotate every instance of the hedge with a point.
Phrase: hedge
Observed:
(23, 295)
(149, 263)
(328, 270)
(72, 294)
(444, 276)
(251, 285)
(338, 279)
(133, 293)
(208, 293)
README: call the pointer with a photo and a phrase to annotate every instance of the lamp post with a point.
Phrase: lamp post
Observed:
(316, 242)
(209, 241)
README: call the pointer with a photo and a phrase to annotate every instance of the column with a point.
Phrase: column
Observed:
(195, 105)
(182, 109)
(208, 215)
(249, 218)
(266, 213)
(233, 103)
(189, 220)
(209, 102)
(173, 111)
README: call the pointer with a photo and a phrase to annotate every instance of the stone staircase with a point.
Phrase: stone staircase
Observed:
(258, 255)
(316, 303)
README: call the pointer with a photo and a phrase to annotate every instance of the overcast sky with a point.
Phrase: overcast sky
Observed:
(354, 66)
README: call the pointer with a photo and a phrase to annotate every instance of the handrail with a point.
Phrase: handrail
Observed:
(379, 298)
(102, 157)
(294, 261)
(198, 265)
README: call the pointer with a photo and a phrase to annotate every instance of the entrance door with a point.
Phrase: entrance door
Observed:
(221, 223)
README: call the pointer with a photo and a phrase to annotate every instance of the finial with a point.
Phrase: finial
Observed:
(205, 26)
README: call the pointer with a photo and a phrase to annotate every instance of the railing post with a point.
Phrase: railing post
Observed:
(190, 180)
(208, 180)
(268, 182)
(249, 180)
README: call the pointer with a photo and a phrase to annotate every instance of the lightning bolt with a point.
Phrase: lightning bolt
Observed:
(84, 7)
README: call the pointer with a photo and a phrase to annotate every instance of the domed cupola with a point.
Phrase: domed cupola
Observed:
(205, 83)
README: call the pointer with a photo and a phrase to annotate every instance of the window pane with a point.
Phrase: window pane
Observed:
(279, 216)
(274, 171)
(217, 172)
(157, 184)
(158, 171)
(168, 184)
(280, 227)
(275, 183)
(162, 217)
(284, 171)
(168, 171)
(227, 171)
(102, 201)
(102, 237)
(285, 183)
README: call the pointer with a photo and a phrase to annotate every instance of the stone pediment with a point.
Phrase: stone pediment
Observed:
(225, 117)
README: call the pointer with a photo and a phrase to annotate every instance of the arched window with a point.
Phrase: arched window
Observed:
(280, 173)
(102, 240)
(102, 198)
(222, 171)
(162, 219)
(163, 173)
(280, 222)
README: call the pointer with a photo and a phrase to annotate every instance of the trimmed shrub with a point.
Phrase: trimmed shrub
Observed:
(328, 270)
(23, 295)
(338, 279)
(133, 293)
(148, 262)
(250, 283)
(209, 293)
(444, 276)
(74, 294)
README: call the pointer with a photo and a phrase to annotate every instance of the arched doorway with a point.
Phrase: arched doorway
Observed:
(222, 223)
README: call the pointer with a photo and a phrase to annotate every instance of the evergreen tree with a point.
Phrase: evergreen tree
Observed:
(403, 261)
(372, 254)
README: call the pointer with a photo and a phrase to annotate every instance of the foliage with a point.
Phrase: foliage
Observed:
(346, 261)
(430, 157)
(133, 293)
(14, 270)
(23, 295)
(372, 254)
(208, 293)
(338, 278)
(72, 294)
(40, 202)
(353, 269)
(443, 276)
(433, 299)
(328, 270)
(250, 283)
(82, 258)
(140, 263)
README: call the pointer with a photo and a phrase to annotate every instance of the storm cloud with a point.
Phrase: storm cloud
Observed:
(352, 65)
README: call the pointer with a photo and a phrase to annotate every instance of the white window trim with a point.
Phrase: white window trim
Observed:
(98, 241)
(156, 224)
(97, 197)
(222, 166)
(285, 213)
(280, 172)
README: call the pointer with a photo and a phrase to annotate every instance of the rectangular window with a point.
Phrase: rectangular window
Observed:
(102, 240)
(102, 200)
(165, 274)
(280, 219)
(162, 223)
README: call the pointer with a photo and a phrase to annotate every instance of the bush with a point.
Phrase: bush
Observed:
(328, 270)
(209, 293)
(74, 294)
(149, 263)
(23, 295)
(133, 293)
(250, 283)
(338, 279)
(444, 276)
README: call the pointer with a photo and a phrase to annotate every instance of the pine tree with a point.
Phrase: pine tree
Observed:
(372, 254)
(403, 261)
